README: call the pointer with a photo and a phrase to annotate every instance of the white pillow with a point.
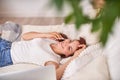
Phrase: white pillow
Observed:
(84, 58)
(90, 37)
(95, 70)
(112, 52)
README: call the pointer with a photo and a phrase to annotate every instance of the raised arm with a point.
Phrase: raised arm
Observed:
(60, 69)
(51, 35)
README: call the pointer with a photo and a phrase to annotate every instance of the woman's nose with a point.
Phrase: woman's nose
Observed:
(67, 41)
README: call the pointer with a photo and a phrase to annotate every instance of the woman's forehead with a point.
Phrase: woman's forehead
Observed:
(75, 41)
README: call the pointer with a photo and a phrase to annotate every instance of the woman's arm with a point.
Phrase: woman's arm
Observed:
(51, 35)
(60, 69)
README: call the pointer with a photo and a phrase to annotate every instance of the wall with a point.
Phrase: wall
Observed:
(29, 8)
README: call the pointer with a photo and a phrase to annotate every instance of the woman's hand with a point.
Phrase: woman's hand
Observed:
(79, 51)
(54, 36)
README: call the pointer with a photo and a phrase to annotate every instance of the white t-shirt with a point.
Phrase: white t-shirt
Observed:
(37, 51)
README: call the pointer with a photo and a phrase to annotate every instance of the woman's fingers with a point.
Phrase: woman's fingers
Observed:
(56, 35)
(80, 50)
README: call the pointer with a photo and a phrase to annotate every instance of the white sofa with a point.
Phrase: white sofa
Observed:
(91, 66)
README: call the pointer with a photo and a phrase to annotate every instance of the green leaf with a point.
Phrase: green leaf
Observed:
(58, 4)
(77, 12)
(105, 20)
(104, 37)
(69, 18)
(108, 19)
(96, 25)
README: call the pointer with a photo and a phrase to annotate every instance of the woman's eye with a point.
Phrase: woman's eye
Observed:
(70, 48)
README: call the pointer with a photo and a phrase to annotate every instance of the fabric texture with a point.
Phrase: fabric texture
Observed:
(112, 52)
(85, 57)
(90, 37)
(18, 67)
(11, 31)
(95, 70)
(5, 57)
(36, 51)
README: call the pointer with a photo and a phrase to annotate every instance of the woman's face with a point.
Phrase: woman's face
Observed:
(98, 3)
(67, 47)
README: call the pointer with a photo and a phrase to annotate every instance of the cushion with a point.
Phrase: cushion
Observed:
(17, 67)
(85, 57)
(112, 52)
(90, 37)
(95, 70)
(24, 72)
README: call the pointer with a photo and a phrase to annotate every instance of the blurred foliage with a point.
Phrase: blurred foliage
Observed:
(105, 20)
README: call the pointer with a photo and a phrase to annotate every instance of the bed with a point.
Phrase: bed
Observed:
(94, 63)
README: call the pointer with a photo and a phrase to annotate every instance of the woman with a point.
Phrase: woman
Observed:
(40, 48)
